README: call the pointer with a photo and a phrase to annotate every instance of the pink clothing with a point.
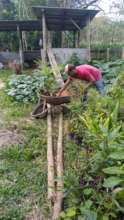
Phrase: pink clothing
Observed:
(87, 73)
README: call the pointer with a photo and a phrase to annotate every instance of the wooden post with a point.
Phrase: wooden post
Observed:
(108, 54)
(74, 39)
(44, 29)
(88, 40)
(122, 53)
(78, 39)
(62, 39)
(59, 169)
(20, 47)
(50, 158)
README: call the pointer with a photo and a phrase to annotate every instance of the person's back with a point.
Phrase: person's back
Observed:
(85, 72)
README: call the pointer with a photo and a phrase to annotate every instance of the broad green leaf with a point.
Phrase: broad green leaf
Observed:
(71, 212)
(63, 215)
(105, 217)
(112, 182)
(114, 133)
(119, 192)
(81, 218)
(113, 170)
(87, 191)
(89, 215)
(117, 155)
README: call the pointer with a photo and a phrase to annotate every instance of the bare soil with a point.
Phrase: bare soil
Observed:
(2, 85)
(8, 137)
(35, 214)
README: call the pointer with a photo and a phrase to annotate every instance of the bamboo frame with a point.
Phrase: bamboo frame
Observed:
(45, 38)
(59, 169)
(50, 159)
(19, 33)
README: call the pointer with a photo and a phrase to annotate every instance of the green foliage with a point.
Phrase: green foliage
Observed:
(46, 72)
(22, 166)
(110, 70)
(74, 59)
(25, 88)
(96, 191)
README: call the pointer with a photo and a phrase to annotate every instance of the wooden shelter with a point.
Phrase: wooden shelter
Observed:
(61, 19)
(52, 19)
(20, 26)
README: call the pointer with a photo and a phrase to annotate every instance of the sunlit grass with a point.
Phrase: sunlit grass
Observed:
(23, 166)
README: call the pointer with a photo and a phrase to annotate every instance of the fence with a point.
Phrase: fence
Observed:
(62, 55)
(107, 54)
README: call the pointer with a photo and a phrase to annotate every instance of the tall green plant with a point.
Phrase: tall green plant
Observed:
(97, 190)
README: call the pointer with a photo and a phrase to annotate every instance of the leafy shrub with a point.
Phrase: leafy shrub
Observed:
(74, 59)
(110, 70)
(25, 88)
(94, 187)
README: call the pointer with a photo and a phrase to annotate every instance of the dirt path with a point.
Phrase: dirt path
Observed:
(2, 84)
(8, 137)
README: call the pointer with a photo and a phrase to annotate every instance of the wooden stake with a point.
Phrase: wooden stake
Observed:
(88, 40)
(50, 160)
(59, 168)
(20, 47)
(108, 54)
(44, 28)
(122, 53)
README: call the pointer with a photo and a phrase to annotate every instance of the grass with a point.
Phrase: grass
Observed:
(23, 166)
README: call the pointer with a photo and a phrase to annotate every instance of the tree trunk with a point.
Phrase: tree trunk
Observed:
(50, 159)
(59, 168)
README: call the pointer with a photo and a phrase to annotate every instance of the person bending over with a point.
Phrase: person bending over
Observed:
(84, 72)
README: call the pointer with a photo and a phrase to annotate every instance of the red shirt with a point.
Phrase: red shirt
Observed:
(87, 73)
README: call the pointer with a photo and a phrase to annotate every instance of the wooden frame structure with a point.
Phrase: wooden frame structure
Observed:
(19, 27)
(52, 19)
(62, 19)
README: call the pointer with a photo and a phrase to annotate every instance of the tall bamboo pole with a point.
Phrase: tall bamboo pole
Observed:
(89, 39)
(19, 33)
(50, 159)
(44, 29)
(59, 168)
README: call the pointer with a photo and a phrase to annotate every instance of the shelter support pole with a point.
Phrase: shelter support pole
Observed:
(76, 36)
(62, 39)
(44, 28)
(76, 43)
(122, 53)
(108, 54)
(78, 39)
(89, 39)
(20, 47)
(74, 39)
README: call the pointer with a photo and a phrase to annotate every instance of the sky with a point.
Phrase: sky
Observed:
(105, 4)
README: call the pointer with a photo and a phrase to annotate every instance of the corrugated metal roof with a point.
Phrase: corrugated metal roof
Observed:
(59, 19)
